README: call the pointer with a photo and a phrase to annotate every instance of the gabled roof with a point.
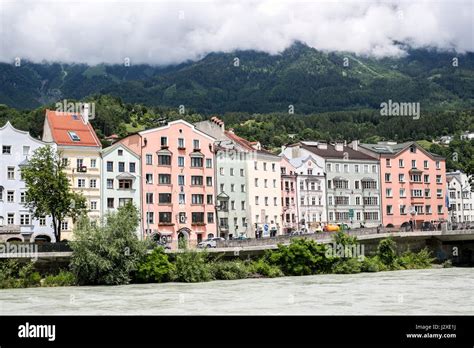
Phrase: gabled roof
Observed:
(247, 145)
(450, 178)
(387, 148)
(62, 123)
(8, 125)
(297, 162)
(111, 148)
(180, 121)
(239, 141)
(395, 149)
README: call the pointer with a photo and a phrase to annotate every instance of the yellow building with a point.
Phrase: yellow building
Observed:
(80, 147)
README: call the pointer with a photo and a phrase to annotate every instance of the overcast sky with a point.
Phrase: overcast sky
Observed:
(161, 32)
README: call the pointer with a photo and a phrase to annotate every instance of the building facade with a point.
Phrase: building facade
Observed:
(249, 179)
(289, 197)
(231, 181)
(311, 187)
(351, 180)
(413, 183)
(264, 191)
(120, 182)
(461, 198)
(80, 149)
(16, 220)
(177, 181)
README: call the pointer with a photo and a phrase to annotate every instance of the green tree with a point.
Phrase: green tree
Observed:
(155, 268)
(109, 253)
(191, 267)
(386, 251)
(48, 191)
(301, 257)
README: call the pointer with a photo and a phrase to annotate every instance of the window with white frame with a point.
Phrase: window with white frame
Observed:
(11, 173)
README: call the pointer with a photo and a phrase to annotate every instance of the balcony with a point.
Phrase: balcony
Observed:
(165, 224)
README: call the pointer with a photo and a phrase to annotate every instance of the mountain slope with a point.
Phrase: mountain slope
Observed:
(307, 79)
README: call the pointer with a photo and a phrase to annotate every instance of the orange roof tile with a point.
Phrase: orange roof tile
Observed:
(241, 141)
(61, 123)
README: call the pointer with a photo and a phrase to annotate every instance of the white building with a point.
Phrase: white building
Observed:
(461, 198)
(248, 184)
(16, 220)
(467, 136)
(351, 182)
(264, 192)
(120, 179)
(311, 191)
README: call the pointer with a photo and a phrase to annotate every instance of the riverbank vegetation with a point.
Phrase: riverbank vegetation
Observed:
(14, 274)
(110, 254)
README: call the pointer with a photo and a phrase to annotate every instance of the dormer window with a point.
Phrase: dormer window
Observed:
(73, 136)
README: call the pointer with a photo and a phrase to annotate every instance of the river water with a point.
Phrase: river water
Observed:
(433, 291)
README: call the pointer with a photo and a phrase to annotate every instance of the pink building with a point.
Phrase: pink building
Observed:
(289, 199)
(178, 186)
(413, 183)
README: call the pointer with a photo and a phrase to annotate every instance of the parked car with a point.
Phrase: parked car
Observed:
(336, 227)
(343, 227)
(331, 228)
(209, 243)
(242, 237)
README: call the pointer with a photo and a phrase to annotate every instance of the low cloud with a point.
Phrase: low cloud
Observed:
(162, 33)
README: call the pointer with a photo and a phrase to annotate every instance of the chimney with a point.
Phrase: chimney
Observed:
(85, 113)
(217, 121)
(355, 145)
(322, 146)
(295, 151)
(339, 146)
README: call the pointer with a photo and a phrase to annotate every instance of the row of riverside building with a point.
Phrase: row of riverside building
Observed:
(201, 180)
